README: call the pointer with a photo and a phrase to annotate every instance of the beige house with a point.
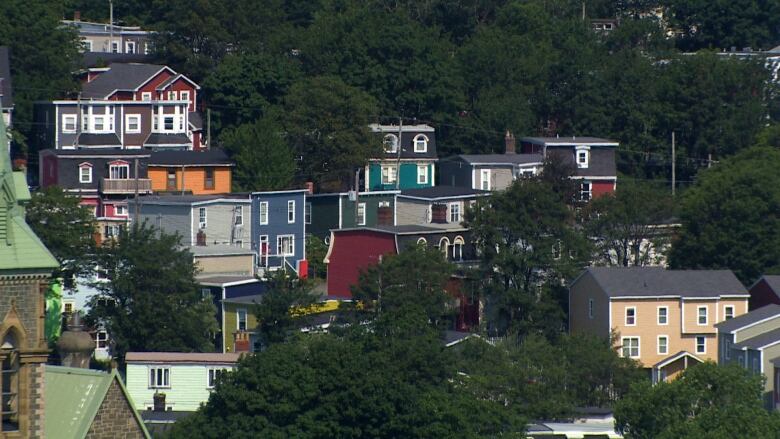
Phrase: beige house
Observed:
(665, 319)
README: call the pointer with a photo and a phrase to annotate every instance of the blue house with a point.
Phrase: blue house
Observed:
(279, 230)
(407, 160)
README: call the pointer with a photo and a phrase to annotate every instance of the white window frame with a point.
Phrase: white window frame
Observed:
(239, 211)
(290, 211)
(115, 47)
(704, 345)
(263, 213)
(728, 312)
(102, 336)
(389, 174)
(420, 143)
(111, 171)
(211, 375)
(422, 241)
(184, 95)
(202, 218)
(307, 213)
(128, 45)
(159, 377)
(484, 179)
(454, 213)
(579, 153)
(279, 247)
(88, 178)
(69, 119)
(239, 312)
(586, 191)
(665, 316)
(457, 248)
(638, 347)
(263, 257)
(120, 206)
(128, 121)
(631, 308)
(165, 118)
(658, 345)
(590, 308)
(422, 174)
(361, 214)
(172, 95)
(146, 96)
(699, 315)
(86, 44)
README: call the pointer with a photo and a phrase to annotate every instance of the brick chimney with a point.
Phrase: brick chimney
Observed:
(201, 238)
(309, 187)
(384, 216)
(439, 213)
(158, 401)
(509, 141)
(77, 16)
(241, 340)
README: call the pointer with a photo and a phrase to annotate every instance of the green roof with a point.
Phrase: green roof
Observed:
(73, 397)
(20, 249)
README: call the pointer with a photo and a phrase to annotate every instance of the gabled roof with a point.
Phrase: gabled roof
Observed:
(501, 159)
(760, 341)
(6, 89)
(73, 397)
(574, 140)
(196, 120)
(773, 281)
(181, 357)
(752, 318)
(20, 249)
(672, 358)
(124, 77)
(640, 282)
(443, 192)
(451, 338)
(213, 157)
(175, 78)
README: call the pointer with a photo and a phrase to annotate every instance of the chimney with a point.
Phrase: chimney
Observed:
(384, 216)
(75, 346)
(159, 402)
(509, 141)
(241, 340)
(309, 187)
(201, 238)
(77, 16)
(439, 213)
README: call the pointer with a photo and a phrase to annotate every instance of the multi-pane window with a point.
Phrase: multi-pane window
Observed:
(130, 47)
(420, 143)
(422, 174)
(701, 344)
(168, 123)
(133, 123)
(585, 191)
(9, 377)
(285, 245)
(146, 96)
(120, 210)
(85, 173)
(557, 250)
(389, 174)
(159, 377)
(291, 211)
(728, 312)
(701, 315)
(582, 157)
(630, 316)
(263, 247)
(241, 319)
(484, 179)
(202, 217)
(239, 216)
(663, 315)
(119, 171)
(663, 345)
(361, 214)
(631, 347)
(68, 123)
(184, 95)
(263, 212)
(307, 213)
(455, 213)
(101, 340)
(457, 249)
(115, 47)
(213, 374)
(208, 176)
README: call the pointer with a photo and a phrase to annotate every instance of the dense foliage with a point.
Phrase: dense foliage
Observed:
(149, 300)
(284, 308)
(706, 401)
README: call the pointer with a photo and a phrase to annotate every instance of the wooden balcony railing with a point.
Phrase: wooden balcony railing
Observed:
(112, 186)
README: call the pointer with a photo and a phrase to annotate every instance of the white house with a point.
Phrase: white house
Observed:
(186, 379)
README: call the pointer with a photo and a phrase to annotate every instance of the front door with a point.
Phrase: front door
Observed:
(263, 248)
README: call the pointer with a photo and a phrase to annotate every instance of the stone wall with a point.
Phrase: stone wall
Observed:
(114, 418)
(26, 297)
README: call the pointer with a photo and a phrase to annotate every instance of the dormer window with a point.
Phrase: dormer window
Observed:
(85, 173)
(582, 155)
(420, 143)
(390, 143)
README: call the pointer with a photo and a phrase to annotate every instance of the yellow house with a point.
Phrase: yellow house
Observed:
(665, 319)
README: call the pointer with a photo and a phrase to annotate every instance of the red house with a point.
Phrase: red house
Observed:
(353, 250)
(764, 292)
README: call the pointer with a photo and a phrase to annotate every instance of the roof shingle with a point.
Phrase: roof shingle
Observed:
(656, 281)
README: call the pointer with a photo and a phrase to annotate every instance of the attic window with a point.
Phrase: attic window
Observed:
(390, 143)
(420, 143)
(85, 173)
(582, 154)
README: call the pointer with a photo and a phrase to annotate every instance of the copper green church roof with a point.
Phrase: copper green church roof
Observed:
(20, 250)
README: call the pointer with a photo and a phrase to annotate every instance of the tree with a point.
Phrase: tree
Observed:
(326, 122)
(151, 301)
(66, 228)
(263, 159)
(706, 400)
(280, 312)
(527, 253)
(625, 224)
(316, 249)
(730, 217)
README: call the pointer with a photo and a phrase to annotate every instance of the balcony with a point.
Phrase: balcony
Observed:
(125, 186)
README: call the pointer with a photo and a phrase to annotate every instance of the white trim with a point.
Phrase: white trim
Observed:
(658, 315)
(290, 204)
(733, 310)
(658, 344)
(89, 176)
(625, 315)
(70, 117)
(453, 197)
(238, 319)
(592, 177)
(696, 344)
(420, 180)
(361, 222)
(127, 129)
(202, 224)
(482, 173)
(227, 284)
(638, 345)
(279, 248)
(260, 213)
(424, 141)
(706, 315)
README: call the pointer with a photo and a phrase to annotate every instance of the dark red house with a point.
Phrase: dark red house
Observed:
(352, 250)
(764, 292)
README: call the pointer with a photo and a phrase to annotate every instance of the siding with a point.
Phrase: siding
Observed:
(412, 211)
(194, 180)
(582, 291)
(231, 323)
(278, 225)
(239, 264)
(601, 187)
(455, 173)
(408, 176)
(187, 385)
(761, 328)
(219, 223)
(761, 294)
(170, 219)
(324, 215)
(352, 251)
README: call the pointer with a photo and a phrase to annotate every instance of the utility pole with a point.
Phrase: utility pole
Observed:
(136, 189)
(709, 160)
(111, 25)
(79, 121)
(208, 128)
(398, 160)
(674, 164)
(357, 196)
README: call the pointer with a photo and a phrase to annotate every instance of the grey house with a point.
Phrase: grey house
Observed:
(489, 172)
(201, 220)
(439, 206)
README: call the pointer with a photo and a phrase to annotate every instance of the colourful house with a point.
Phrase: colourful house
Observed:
(278, 230)
(407, 161)
(197, 172)
(325, 212)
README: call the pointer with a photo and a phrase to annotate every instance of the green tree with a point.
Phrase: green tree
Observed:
(282, 309)
(730, 217)
(151, 300)
(326, 122)
(66, 228)
(624, 224)
(263, 159)
(526, 255)
(316, 249)
(707, 401)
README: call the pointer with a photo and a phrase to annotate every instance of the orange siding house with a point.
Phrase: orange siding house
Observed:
(196, 172)
(662, 318)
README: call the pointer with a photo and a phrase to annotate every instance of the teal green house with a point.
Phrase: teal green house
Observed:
(326, 212)
(408, 158)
